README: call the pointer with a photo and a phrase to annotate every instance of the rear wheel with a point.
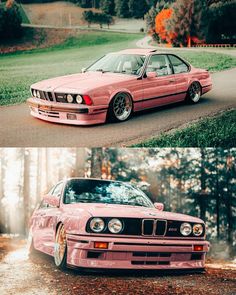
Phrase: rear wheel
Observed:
(60, 249)
(121, 108)
(194, 92)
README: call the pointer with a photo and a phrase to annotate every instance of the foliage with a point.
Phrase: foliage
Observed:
(137, 8)
(108, 6)
(219, 131)
(10, 21)
(160, 27)
(122, 8)
(222, 23)
(97, 18)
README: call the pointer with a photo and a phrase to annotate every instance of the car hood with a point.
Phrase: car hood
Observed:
(110, 210)
(81, 82)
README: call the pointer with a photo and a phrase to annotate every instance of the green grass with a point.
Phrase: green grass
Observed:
(21, 69)
(218, 131)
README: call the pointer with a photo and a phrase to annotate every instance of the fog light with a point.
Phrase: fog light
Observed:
(101, 245)
(198, 248)
(71, 116)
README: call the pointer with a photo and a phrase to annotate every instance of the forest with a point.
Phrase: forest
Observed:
(199, 182)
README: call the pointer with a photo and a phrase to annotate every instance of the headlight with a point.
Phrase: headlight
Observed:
(79, 99)
(34, 93)
(185, 229)
(115, 226)
(197, 229)
(97, 225)
(37, 94)
(69, 98)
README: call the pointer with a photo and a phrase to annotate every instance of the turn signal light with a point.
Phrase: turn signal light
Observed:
(198, 248)
(101, 245)
(87, 100)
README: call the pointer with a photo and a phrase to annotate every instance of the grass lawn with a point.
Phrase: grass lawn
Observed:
(218, 131)
(20, 69)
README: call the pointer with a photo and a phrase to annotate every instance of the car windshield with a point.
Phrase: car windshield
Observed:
(107, 192)
(130, 64)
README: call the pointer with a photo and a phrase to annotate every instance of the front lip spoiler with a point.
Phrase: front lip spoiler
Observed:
(51, 108)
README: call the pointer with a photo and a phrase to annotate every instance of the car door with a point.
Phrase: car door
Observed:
(44, 220)
(50, 217)
(181, 74)
(159, 90)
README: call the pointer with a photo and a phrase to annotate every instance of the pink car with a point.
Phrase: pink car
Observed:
(92, 223)
(117, 85)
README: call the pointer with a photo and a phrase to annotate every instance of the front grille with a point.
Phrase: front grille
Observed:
(148, 227)
(154, 227)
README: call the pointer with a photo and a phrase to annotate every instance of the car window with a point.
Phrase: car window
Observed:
(159, 64)
(178, 65)
(43, 205)
(57, 189)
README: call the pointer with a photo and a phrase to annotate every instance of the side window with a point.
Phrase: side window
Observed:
(178, 65)
(159, 64)
(57, 189)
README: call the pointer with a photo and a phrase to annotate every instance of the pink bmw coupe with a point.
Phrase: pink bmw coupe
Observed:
(117, 85)
(92, 223)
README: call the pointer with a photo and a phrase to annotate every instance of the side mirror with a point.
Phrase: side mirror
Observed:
(151, 75)
(83, 70)
(159, 206)
(53, 201)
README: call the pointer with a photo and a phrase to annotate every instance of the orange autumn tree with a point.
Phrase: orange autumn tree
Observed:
(160, 25)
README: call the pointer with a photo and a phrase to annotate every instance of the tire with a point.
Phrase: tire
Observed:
(60, 248)
(120, 108)
(194, 93)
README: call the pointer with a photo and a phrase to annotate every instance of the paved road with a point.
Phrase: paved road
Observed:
(18, 128)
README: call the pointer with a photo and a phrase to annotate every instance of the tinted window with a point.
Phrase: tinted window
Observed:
(178, 65)
(107, 192)
(159, 64)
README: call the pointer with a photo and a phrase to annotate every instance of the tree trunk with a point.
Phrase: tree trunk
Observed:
(80, 159)
(96, 162)
(26, 189)
(2, 176)
(39, 175)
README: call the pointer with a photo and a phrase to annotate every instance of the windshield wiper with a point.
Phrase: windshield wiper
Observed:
(101, 70)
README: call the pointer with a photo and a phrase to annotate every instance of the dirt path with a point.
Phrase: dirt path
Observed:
(38, 275)
(18, 128)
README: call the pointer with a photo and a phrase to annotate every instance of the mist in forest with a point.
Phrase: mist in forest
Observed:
(199, 182)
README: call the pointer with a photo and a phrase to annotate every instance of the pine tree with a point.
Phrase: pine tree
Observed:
(137, 8)
(122, 8)
(108, 6)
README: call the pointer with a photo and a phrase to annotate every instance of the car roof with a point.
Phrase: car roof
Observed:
(141, 51)
(84, 178)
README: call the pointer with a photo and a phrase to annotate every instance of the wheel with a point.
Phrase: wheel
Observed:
(60, 248)
(121, 108)
(194, 92)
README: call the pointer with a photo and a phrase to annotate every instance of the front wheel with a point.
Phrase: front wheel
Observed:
(121, 108)
(60, 248)
(194, 93)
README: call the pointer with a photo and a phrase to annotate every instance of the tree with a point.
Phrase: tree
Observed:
(188, 21)
(137, 8)
(108, 6)
(160, 28)
(122, 8)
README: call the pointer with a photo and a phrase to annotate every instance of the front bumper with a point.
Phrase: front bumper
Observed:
(130, 253)
(67, 113)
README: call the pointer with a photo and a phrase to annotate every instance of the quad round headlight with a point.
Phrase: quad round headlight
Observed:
(197, 229)
(69, 98)
(79, 99)
(97, 225)
(185, 229)
(115, 226)
(34, 93)
(38, 94)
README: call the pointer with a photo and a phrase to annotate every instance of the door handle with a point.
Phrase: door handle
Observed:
(171, 81)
